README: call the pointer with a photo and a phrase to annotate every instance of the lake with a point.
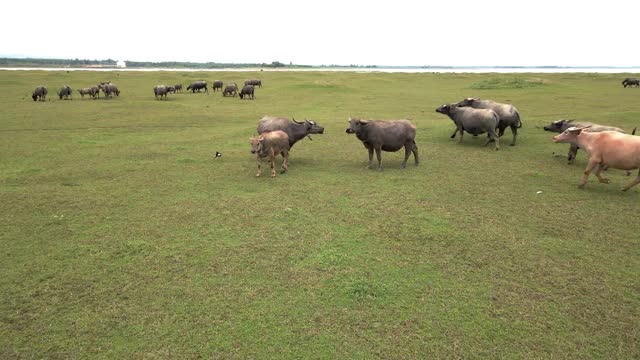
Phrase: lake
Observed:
(607, 70)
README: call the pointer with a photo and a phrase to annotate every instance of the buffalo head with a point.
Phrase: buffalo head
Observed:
(468, 101)
(257, 143)
(311, 126)
(355, 125)
(558, 125)
(446, 108)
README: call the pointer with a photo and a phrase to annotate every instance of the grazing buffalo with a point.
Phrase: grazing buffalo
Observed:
(473, 121)
(508, 114)
(254, 82)
(65, 92)
(631, 82)
(217, 84)
(161, 90)
(560, 126)
(171, 89)
(294, 129)
(91, 91)
(40, 93)
(109, 90)
(197, 86)
(230, 90)
(605, 148)
(271, 144)
(247, 91)
(381, 135)
(178, 87)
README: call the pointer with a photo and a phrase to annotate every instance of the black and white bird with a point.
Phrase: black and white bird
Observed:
(218, 155)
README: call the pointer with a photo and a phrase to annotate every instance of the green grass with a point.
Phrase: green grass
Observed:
(122, 236)
(506, 83)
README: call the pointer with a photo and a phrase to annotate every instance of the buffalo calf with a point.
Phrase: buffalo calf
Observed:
(271, 144)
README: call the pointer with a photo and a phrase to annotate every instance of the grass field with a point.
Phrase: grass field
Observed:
(122, 237)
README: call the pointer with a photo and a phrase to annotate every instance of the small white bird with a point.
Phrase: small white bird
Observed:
(218, 155)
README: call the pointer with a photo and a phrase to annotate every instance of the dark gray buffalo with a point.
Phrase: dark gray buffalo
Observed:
(473, 121)
(65, 92)
(631, 82)
(197, 86)
(559, 126)
(381, 135)
(178, 87)
(230, 90)
(247, 91)
(294, 129)
(91, 91)
(509, 115)
(40, 93)
(109, 90)
(254, 82)
(217, 84)
(161, 90)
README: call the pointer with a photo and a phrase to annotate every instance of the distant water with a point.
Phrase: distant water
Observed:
(604, 70)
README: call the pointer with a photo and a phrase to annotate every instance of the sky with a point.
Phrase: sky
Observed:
(454, 33)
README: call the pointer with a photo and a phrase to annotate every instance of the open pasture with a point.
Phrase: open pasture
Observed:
(123, 237)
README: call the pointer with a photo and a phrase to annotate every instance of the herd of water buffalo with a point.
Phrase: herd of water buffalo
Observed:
(607, 146)
(160, 91)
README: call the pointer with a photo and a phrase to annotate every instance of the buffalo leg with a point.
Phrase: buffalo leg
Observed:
(461, 135)
(407, 152)
(632, 183)
(379, 156)
(454, 133)
(573, 150)
(285, 161)
(597, 171)
(501, 131)
(514, 131)
(590, 166)
(259, 162)
(414, 149)
(492, 136)
(370, 157)
(272, 158)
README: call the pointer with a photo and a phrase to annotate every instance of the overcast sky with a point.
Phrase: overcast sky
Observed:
(462, 32)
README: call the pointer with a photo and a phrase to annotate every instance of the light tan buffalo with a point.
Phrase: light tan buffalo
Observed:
(606, 148)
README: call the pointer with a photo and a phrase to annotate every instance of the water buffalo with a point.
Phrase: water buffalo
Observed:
(217, 84)
(294, 129)
(271, 144)
(65, 92)
(109, 90)
(559, 126)
(161, 90)
(508, 114)
(92, 91)
(247, 91)
(171, 89)
(230, 90)
(631, 82)
(389, 135)
(473, 121)
(40, 93)
(254, 82)
(178, 87)
(197, 85)
(605, 148)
